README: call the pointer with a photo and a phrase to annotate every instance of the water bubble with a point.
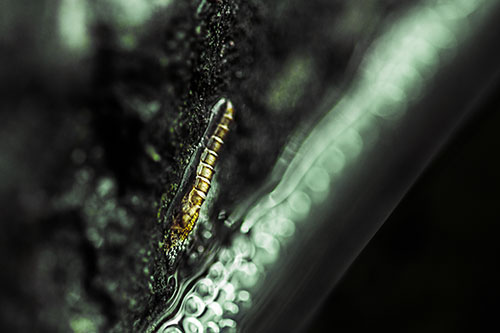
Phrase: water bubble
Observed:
(212, 327)
(105, 186)
(216, 271)
(226, 256)
(434, 29)
(276, 225)
(194, 305)
(207, 234)
(247, 274)
(228, 325)
(243, 297)
(266, 241)
(231, 308)
(350, 143)
(317, 179)
(390, 103)
(205, 288)
(192, 325)
(227, 292)
(426, 57)
(268, 247)
(215, 310)
(410, 81)
(243, 246)
(193, 258)
(300, 204)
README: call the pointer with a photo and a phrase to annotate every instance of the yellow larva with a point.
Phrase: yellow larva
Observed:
(185, 220)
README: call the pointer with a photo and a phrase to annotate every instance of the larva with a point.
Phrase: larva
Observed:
(185, 219)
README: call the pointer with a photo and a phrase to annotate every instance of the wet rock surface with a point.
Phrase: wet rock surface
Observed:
(97, 128)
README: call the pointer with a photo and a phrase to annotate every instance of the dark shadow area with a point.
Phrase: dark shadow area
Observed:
(433, 266)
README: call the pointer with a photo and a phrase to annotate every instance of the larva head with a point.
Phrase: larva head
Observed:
(229, 110)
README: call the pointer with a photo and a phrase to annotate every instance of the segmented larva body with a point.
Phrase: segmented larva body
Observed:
(192, 201)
